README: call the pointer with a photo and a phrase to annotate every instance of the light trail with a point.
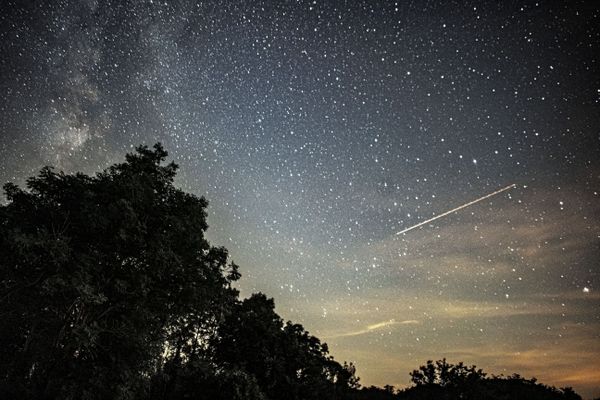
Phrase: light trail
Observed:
(457, 209)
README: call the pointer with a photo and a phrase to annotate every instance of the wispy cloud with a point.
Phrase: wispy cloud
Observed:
(373, 327)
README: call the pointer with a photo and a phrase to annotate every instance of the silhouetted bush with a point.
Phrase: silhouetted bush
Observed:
(442, 380)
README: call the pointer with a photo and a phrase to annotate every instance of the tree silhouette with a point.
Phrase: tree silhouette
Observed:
(285, 359)
(100, 275)
(443, 380)
(443, 374)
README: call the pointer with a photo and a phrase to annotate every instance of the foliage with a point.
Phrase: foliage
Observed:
(285, 359)
(442, 380)
(444, 374)
(199, 379)
(98, 274)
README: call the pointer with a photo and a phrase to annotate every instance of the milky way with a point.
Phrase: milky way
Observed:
(317, 130)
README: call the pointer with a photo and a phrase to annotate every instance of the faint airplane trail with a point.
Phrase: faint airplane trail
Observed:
(456, 209)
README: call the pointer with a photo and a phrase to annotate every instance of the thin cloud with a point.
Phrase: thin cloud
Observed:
(373, 327)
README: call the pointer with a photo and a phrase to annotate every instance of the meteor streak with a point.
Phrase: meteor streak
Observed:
(456, 209)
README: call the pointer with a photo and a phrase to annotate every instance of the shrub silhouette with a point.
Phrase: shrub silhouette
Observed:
(443, 380)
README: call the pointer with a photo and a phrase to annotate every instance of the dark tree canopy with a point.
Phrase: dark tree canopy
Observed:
(99, 273)
(443, 374)
(286, 360)
(441, 380)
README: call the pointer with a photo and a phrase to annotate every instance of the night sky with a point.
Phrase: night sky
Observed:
(318, 130)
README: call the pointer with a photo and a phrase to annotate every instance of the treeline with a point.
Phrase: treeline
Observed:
(109, 290)
(441, 380)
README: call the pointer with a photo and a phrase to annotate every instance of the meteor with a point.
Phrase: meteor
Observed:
(457, 209)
